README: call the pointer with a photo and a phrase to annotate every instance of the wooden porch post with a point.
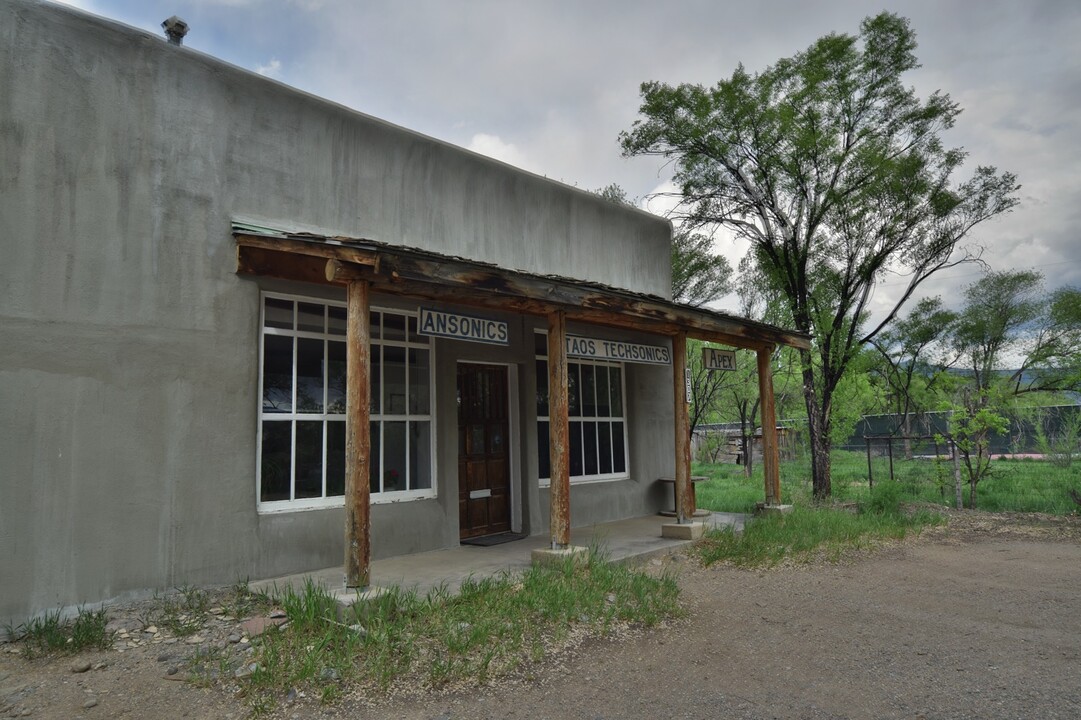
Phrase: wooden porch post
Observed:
(357, 438)
(684, 495)
(770, 449)
(558, 446)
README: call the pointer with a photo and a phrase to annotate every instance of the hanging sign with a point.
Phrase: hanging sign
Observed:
(714, 359)
(616, 350)
(687, 382)
(437, 323)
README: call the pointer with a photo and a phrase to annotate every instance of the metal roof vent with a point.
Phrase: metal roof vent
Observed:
(175, 30)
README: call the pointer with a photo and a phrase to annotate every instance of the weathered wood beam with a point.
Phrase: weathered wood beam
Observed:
(558, 433)
(684, 493)
(345, 253)
(357, 437)
(490, 290)
(770, 449)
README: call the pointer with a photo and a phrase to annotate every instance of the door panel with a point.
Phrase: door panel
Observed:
(483, 463)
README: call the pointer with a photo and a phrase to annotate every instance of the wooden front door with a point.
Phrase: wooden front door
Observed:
(483, 457)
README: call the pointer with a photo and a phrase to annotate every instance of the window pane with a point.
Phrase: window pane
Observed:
(419, 376)
(540, 344)
(310, 317)
(393, 326)
(589, 391)
(308, 459)
(375, 469)
(544, 460)
(414, 336)
(336, 369)
(278, 313)
(576, 449)
(335, 458)
(277, 374)
(336, 320)
(275, 461)
(393, 456)
(376, 379)
(619, 456)
(604, 447)
(309, 375)
(373, 326)
(542, 388)
(574, 390)
(393, 380)
(589, 447)
(420, 455)
(604, 405)
(615, 375)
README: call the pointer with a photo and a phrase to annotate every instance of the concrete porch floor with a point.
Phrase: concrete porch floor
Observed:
(634, 539)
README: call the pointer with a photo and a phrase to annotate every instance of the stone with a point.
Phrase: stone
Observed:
(245, 671)
(610, 598)
(90, 702)
(683, 531)
(330, 675)
(165, 657)
(173, 670)
(258, 625)
(217, 611)
(80, 666)
(233, 638)
(151, 629)
(194, 640)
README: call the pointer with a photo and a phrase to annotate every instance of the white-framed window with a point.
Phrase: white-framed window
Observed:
(596, 413)
(302, 381)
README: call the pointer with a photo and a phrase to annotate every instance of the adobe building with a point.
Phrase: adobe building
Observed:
(249, 332)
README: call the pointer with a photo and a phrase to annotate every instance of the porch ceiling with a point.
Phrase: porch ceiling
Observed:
(425, 275)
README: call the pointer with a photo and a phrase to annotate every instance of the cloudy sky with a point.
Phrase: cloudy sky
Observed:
(547, 85)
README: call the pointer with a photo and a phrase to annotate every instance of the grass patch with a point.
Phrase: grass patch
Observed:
(1023, 485)
(493, 626)
(806, 534)
(50, 634)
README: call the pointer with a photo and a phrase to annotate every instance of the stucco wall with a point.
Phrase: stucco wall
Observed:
(128, 366)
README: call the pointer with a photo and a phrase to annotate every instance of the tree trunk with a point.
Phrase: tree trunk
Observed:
(908, 436)
(818, 432)
(958, 486)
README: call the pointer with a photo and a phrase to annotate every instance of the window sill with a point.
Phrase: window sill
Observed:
(291, 506)
(546, 483)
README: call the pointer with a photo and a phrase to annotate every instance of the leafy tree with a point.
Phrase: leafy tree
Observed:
(1010, 314)
(699, 276)
(836, 175)
(908, 369)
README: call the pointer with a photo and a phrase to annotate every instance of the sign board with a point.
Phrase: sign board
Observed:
(437, 323)
(714, 359)
(687, 382)
(617, 351)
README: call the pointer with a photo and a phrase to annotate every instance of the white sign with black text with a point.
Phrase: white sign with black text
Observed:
(616, 350)
(714, 359)
(437, 323)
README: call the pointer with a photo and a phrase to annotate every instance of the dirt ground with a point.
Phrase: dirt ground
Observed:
(981, 619)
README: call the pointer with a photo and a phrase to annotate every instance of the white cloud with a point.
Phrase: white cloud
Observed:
(272, 69)
(494, 147)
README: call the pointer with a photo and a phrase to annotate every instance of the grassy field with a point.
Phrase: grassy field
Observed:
(1014, 485)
